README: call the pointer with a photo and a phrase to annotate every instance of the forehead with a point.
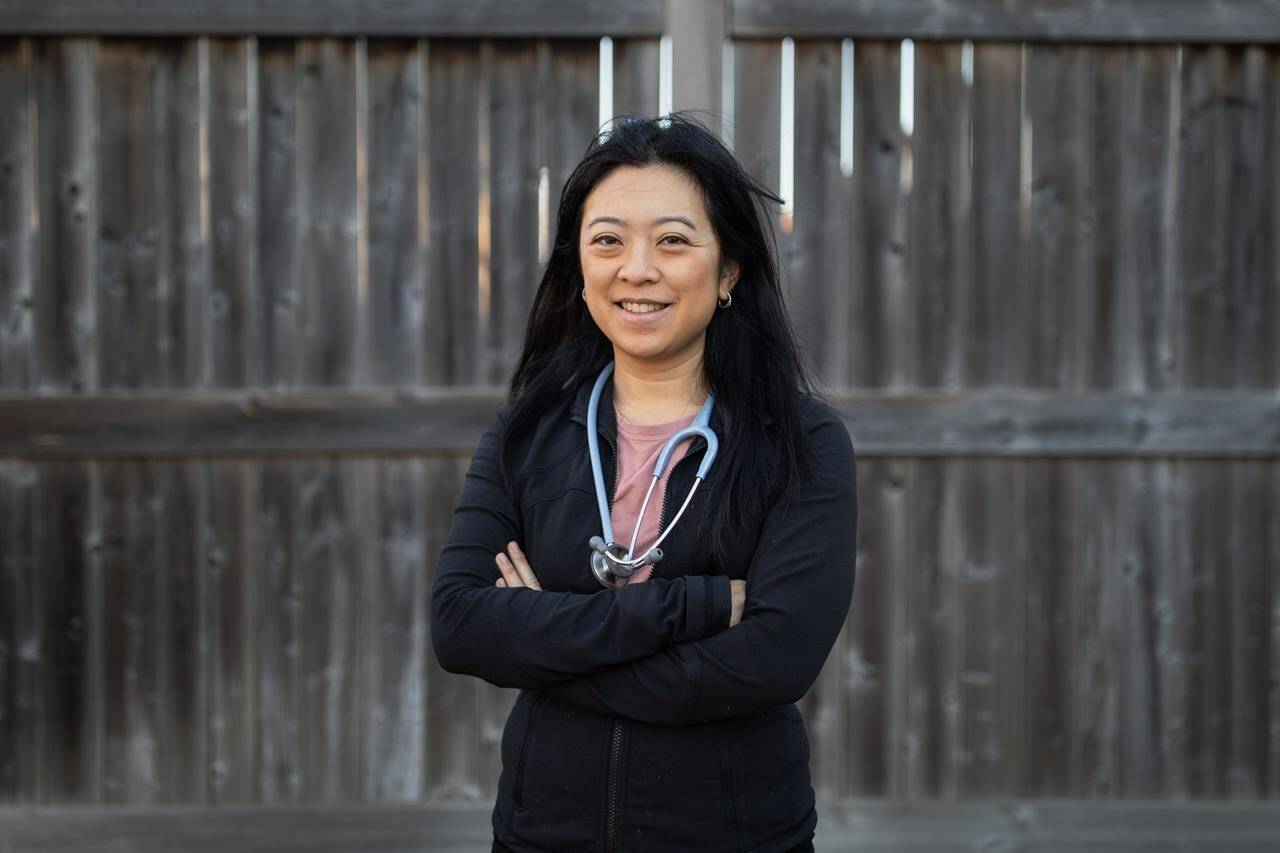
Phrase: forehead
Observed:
(628, 191)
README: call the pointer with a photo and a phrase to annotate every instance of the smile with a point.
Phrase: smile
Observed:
(642, 311)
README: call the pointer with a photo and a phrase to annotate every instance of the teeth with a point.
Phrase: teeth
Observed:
(641, 307)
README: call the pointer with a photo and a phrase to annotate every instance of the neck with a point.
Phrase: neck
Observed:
(646, 392)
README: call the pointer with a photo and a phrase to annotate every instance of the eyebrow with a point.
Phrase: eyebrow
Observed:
(670, 217)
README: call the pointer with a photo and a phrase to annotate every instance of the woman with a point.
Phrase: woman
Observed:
(656, 707)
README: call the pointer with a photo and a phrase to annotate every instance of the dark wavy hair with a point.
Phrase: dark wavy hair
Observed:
(751, 362)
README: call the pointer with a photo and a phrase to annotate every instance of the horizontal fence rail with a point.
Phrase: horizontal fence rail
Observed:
(1205, 424)
(1141, 21)
(437, 18)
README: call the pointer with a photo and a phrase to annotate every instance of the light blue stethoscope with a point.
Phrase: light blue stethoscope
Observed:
(608, 559)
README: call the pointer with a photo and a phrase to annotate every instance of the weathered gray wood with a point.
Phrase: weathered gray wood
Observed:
(394, 689)
(1057, 78)
(452, 18)
(939, 238)
(22, 646)
(67, 197)
(280, 770)
(278, 286)
(326, 199)
(21, 584)
(1022, 20)
(818, 267)
(17, 186)
(453, 312)
(991, 685)
(697, 33)
(1218, 424)
(878, 226)
(229, 229)
(331, 580)
(635, 76)
(513, 174)
(938, 283)
(856, 825)
(395, 113)
(454, 767)
(227, 628)
(179, 314)
(820, 278)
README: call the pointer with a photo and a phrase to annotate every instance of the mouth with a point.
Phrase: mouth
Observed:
(643, 311)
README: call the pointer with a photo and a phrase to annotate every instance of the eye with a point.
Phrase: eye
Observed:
(678, 237)
(605, 237)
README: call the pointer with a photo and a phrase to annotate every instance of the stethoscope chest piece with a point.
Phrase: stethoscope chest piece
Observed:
(608, 562)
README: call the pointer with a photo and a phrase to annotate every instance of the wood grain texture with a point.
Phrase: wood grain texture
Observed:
(259, 297)
(441, 18)
(1022, 20)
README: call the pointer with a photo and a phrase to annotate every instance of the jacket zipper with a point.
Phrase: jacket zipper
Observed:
(615, 733)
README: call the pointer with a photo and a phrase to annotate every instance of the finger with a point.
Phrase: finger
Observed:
(509, 573)
(500, 582)
(523, 567)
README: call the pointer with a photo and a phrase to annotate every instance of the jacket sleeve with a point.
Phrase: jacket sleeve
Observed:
(799, 587)
(527, 638)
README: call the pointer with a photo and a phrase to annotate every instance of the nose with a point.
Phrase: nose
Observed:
(636, 264)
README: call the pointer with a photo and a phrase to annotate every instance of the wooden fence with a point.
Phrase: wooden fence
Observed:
(262, 278)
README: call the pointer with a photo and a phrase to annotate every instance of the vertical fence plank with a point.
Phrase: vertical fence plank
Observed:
(277, 291)
(394, 615)
(17, 282)
(66, 198)
(878, 226)
(1212, 78)
(820, 278)
(20, 581)
(819, 273)
(453, 332)
(454, 346)
(453, 701)
(876, 232)
(939, 282)
(326, 205)
(228, 571)
(397, 103)
(126, 275)
(990, 687)
(326, 200)
(280, 632)
(1253, 304)
(938, 257)
(278, 344)
(635, 76)
(1057, 80)
(513, 207)
(397, 630)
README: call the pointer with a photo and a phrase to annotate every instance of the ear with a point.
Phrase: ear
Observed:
(729, 275)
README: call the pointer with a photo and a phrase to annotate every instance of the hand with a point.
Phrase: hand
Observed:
(515, 569)
(738, 597)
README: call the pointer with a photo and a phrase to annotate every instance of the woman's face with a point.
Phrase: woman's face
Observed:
(646, 239)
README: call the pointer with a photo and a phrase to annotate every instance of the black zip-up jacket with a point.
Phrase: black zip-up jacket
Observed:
(644, 722)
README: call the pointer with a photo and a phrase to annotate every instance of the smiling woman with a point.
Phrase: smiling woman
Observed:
(658, 711)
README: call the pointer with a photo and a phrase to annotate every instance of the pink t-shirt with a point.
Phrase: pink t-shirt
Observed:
(638, 449)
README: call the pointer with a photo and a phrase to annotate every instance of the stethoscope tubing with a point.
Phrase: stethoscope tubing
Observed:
(623, 565)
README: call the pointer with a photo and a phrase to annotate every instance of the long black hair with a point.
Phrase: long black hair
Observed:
(751, 360)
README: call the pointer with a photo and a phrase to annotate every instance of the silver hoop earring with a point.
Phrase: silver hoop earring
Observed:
(726, 304)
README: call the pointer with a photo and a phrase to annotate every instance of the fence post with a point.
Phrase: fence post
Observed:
(698, 29)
